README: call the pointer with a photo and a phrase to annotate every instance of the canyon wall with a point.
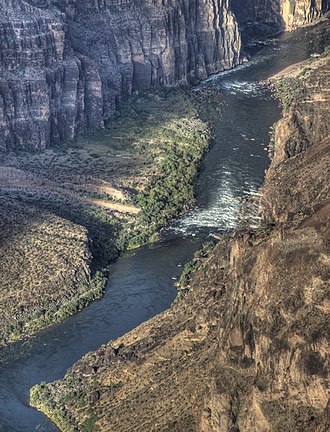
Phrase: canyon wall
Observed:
(280, 14)
(64, 64)
(247, 348)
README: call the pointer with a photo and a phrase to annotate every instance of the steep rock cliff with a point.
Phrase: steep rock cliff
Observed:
(279, 14)
(65, 64)
(247, 349)
(301, 12)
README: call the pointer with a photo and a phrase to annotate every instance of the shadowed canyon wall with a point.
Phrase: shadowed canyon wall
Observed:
(65, 64)
(280, 14)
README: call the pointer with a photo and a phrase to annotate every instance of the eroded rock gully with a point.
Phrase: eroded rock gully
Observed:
(247, 349)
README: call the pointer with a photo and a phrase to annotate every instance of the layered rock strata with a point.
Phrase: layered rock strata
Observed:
(64, 64)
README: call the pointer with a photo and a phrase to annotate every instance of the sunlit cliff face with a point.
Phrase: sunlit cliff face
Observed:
(284, 14)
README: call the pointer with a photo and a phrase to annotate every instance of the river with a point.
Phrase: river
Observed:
(141, 283)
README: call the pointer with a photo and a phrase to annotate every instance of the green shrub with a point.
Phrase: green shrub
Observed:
(90, 425)
(289, 89)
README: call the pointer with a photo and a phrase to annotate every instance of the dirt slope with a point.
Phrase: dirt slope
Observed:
(247, 348)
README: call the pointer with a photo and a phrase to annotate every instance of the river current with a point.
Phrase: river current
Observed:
(142, 283)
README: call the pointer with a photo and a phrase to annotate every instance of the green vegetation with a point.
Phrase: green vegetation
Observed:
(171, 191)
(175, 144)
(199, 262)
(271, 145)
(67, 212)
(38, 399)
(73, 389)
(326, 51)
(89, 425)
(289, 90)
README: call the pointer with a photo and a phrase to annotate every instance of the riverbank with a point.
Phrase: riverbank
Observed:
(67, 212)
(246, 348)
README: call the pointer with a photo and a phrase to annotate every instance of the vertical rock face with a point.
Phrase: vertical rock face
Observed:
(302, 12)
(42, 87)
(65, 64)
(280, 14)
(137, 45)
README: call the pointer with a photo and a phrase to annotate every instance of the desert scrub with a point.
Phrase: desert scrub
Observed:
(90, 425)
(289, 90)
(69, 392)
(191, 267)
(326, 51)
(103, 230)
(38, 399)
(89, 292)
(45, 269)
(146, 160)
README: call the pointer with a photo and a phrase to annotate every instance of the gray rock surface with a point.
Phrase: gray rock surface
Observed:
(279, 14)
(65, 64)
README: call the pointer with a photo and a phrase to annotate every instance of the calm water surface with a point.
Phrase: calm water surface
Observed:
(141, 284)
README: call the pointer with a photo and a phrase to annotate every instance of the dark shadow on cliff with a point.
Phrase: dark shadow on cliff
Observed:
(257, 19)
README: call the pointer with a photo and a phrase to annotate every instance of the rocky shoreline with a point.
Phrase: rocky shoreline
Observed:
(246, 348)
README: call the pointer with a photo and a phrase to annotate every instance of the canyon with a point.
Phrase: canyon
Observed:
(65, 65)
(97, 121)
(247, 348)
(67, 68)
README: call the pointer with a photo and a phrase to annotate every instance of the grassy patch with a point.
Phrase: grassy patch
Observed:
(197, 263)
(66, 213)
(289, 89)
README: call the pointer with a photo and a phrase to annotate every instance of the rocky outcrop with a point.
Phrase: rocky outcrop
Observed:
(64, 64)
(247, 348)
(306, 109)
(279, 15)
(297, 13)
